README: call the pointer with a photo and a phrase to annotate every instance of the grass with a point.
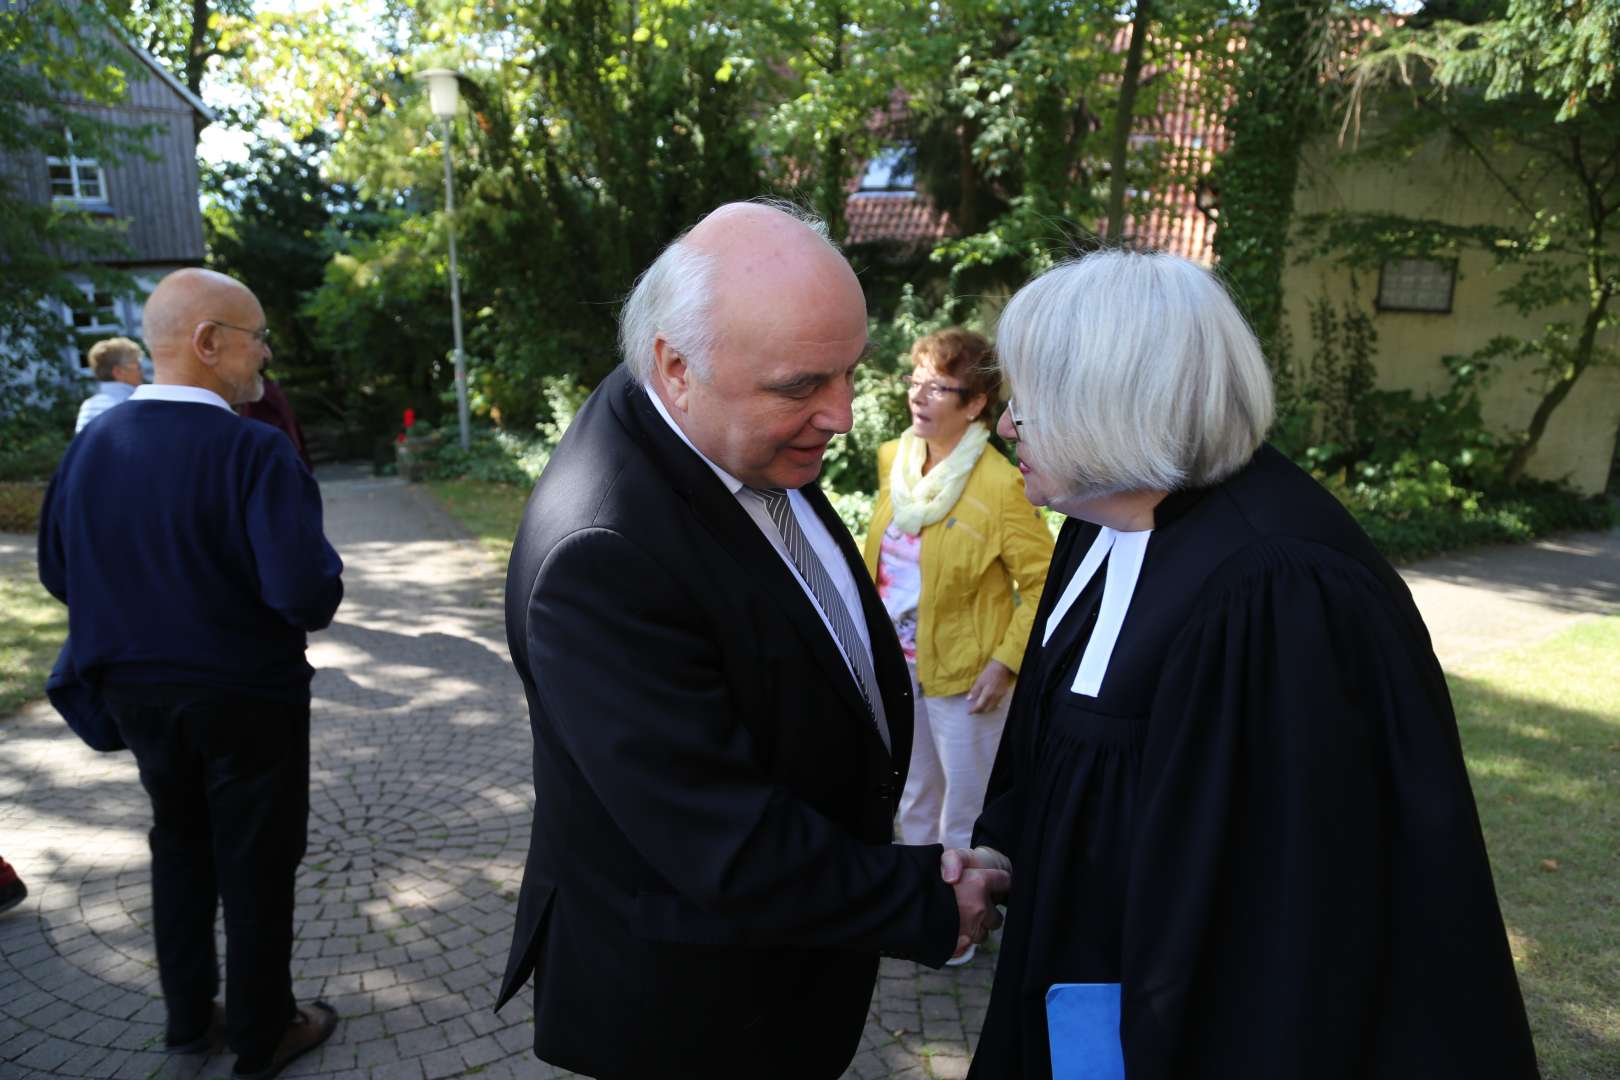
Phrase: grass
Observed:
(30, 635)
(1541, 733)
(489, 511)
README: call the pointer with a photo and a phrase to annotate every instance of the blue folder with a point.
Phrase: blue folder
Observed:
(1082, 1022)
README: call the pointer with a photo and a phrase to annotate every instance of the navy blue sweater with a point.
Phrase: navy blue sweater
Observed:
(187, 543)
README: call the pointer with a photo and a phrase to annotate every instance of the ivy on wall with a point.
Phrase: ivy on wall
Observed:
(1278, 105)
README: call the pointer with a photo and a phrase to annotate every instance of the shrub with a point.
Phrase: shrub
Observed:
(32, 450)
(494, 456)
(20, 502)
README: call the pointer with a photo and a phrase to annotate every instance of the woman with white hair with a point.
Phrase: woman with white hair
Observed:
(1231, 781)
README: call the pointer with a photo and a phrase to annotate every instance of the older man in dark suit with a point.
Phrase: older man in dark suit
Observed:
(721, 714)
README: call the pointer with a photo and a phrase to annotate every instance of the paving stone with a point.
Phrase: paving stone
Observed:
(418, 831)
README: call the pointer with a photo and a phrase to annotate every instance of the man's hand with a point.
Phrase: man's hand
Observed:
(982, 878)
(955, 860)
(989, 688)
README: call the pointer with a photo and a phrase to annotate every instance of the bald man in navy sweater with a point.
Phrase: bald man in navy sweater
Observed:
(187, 543)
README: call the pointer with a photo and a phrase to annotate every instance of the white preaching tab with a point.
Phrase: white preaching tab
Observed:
(1124, 552)
(1082, 577)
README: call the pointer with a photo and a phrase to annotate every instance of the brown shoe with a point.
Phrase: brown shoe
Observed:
(313, 1026)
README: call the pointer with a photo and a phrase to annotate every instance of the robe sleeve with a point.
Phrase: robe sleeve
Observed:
(1309, 894)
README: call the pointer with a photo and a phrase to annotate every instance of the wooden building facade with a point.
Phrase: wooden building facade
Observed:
(153, 196)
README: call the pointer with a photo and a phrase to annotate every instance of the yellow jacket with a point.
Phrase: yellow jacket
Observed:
(971, 560)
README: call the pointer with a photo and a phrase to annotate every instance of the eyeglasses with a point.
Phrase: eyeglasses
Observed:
(1012, 414)
(930, 388)
(261, 336)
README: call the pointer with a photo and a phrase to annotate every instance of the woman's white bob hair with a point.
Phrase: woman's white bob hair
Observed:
(1133, 371)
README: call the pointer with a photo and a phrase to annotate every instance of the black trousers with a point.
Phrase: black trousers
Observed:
(228, 776)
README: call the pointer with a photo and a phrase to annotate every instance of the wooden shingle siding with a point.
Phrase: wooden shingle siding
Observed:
(154, 193)
(157, 197)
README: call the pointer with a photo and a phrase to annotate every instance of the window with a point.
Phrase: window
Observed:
(76, 179)
(98, 312)
(95, 317)
(889, 170)
(1417, 285)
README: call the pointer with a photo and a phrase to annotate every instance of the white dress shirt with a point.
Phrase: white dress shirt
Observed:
(193, 395)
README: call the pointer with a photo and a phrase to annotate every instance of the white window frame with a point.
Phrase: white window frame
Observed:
(113, 307)
(1415, 285)
(80, 169)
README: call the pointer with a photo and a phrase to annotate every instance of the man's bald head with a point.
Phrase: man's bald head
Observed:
(741, 259)
(188, 297)
(206, 329)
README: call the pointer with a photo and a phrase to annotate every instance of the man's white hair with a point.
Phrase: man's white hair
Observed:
(674, 299)
(1134, 371)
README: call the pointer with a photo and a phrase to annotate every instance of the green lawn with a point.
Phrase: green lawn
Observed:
(490, 512)
(30, 634)
(1541, 733)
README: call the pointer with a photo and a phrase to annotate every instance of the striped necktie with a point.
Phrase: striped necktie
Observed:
(832, 605)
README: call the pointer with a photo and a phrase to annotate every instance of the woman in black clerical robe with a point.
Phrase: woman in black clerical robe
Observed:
(1231, 781)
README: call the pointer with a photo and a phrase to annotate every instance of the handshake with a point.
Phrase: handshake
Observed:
(981, 878)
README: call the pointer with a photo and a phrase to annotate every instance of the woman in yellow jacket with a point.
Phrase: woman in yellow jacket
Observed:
(953, 541)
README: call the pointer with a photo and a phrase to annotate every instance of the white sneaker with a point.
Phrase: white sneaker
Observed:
(967, 957)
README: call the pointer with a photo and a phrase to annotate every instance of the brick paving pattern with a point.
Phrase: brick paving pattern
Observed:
(420, 804)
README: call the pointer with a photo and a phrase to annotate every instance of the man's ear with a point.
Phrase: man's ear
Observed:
(205, 343)
(672, 372)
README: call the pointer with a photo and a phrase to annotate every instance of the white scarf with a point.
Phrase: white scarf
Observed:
(922, 500)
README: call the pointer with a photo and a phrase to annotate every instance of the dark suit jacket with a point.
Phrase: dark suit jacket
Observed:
(710, 876)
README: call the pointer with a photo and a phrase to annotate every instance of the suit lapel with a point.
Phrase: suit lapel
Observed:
(723, 516)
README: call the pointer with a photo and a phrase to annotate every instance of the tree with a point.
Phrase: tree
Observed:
(1130, 81)
(595, 131)
(184, 35)
(1529, 98)
(274, 223)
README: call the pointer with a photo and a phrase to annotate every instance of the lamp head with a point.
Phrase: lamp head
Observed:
(444, 94)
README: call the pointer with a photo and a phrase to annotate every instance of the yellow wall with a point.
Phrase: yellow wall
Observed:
(1579, 442)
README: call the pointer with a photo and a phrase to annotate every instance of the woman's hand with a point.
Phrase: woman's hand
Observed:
(990, 687)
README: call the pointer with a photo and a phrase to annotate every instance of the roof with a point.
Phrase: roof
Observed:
(904, 218)
(164, 74)
(1190, 133)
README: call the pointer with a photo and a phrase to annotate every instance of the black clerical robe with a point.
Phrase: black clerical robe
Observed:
(1260, 824)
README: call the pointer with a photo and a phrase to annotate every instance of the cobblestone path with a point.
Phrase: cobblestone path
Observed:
(419, 816)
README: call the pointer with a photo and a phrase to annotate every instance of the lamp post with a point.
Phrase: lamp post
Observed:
(444, 96)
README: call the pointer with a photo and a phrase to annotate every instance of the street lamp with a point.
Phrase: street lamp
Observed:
(444, 95)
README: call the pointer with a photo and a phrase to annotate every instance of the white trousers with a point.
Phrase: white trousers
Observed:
(951, 755)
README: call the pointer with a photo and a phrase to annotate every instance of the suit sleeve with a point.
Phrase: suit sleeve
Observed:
(1026, 551)
(634, 687)
(1308, 861)
(300, 576)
